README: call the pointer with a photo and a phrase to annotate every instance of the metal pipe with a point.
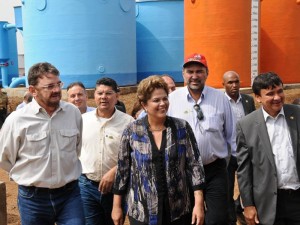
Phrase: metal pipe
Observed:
(18, 81)
(4, 74)
(8, 26)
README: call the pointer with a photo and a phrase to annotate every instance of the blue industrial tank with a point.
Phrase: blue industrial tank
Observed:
(85, 40)
(3, 42)
(8, 54)
(160, 43)
(13, 70)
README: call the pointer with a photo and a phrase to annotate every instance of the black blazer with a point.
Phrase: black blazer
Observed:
(248, 103)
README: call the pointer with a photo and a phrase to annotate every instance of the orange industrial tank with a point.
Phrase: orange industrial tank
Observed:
(280, 39)
(221, 30)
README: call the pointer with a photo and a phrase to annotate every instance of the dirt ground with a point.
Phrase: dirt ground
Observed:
(128, 99)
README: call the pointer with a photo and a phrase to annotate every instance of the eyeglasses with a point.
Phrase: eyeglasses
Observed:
(200, 115)
(50, 87)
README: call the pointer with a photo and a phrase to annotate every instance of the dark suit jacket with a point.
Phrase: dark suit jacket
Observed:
(248, 103)
(257, 176)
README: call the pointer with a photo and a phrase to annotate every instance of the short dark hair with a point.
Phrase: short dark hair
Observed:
(77, 83)
(265, 81)
(108, 82)
(29, 99)
(39, 70)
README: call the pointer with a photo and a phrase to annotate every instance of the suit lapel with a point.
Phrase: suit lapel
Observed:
(245, 103)
(264, 137)
(292, 124)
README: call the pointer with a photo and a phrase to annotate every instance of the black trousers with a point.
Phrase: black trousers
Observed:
(2, 116)
(288, 207)
(216, 193)
(231, 169)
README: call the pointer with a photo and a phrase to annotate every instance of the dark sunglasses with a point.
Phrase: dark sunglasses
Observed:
(200, 115)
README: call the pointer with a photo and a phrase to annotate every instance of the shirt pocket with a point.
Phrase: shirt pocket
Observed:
(37, 142)
(213, 124)
(67, 140)
(112, 143)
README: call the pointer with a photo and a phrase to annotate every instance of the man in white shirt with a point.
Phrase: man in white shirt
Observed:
(77, 95)
(209, 113)
(102, 130)
(242, 105)
(39, 147)
(268, 155)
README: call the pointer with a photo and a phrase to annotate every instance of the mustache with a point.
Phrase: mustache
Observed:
(55, 94)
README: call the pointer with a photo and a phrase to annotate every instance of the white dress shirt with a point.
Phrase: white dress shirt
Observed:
(41, 150)
(281, 143)
(100, 142)
(238, 112)
(237, 107)
(216, 130)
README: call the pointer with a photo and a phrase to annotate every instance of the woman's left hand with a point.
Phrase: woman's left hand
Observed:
(198, 211)
(198, 215)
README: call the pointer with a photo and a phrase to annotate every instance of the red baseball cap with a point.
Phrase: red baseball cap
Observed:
(196, 57)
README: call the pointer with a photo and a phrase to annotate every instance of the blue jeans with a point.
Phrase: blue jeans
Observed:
(62, 206)
(97, 207)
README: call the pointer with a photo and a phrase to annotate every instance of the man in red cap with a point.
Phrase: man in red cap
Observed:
(209, 113)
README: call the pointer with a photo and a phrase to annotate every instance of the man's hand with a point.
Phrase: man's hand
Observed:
(250, 214)
(107, 181)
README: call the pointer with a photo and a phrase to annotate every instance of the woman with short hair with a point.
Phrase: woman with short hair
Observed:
(158, 165)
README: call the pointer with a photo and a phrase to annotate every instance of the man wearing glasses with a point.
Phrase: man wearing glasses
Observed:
(210, 115)
(101, 136)
(39, 147)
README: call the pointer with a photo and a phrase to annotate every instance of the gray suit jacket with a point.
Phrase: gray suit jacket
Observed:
(257, 176)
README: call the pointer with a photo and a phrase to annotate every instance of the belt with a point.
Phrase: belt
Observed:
(96, 183)
(70, 185)
(288, 191)
(217, 163)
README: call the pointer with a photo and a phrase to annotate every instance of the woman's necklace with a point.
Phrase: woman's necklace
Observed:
(156, 129)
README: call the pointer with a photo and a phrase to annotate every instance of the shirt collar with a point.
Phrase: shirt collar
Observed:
(110, 118)
(190, 98)
(36, 108)
(267, 115)
(230, 99)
